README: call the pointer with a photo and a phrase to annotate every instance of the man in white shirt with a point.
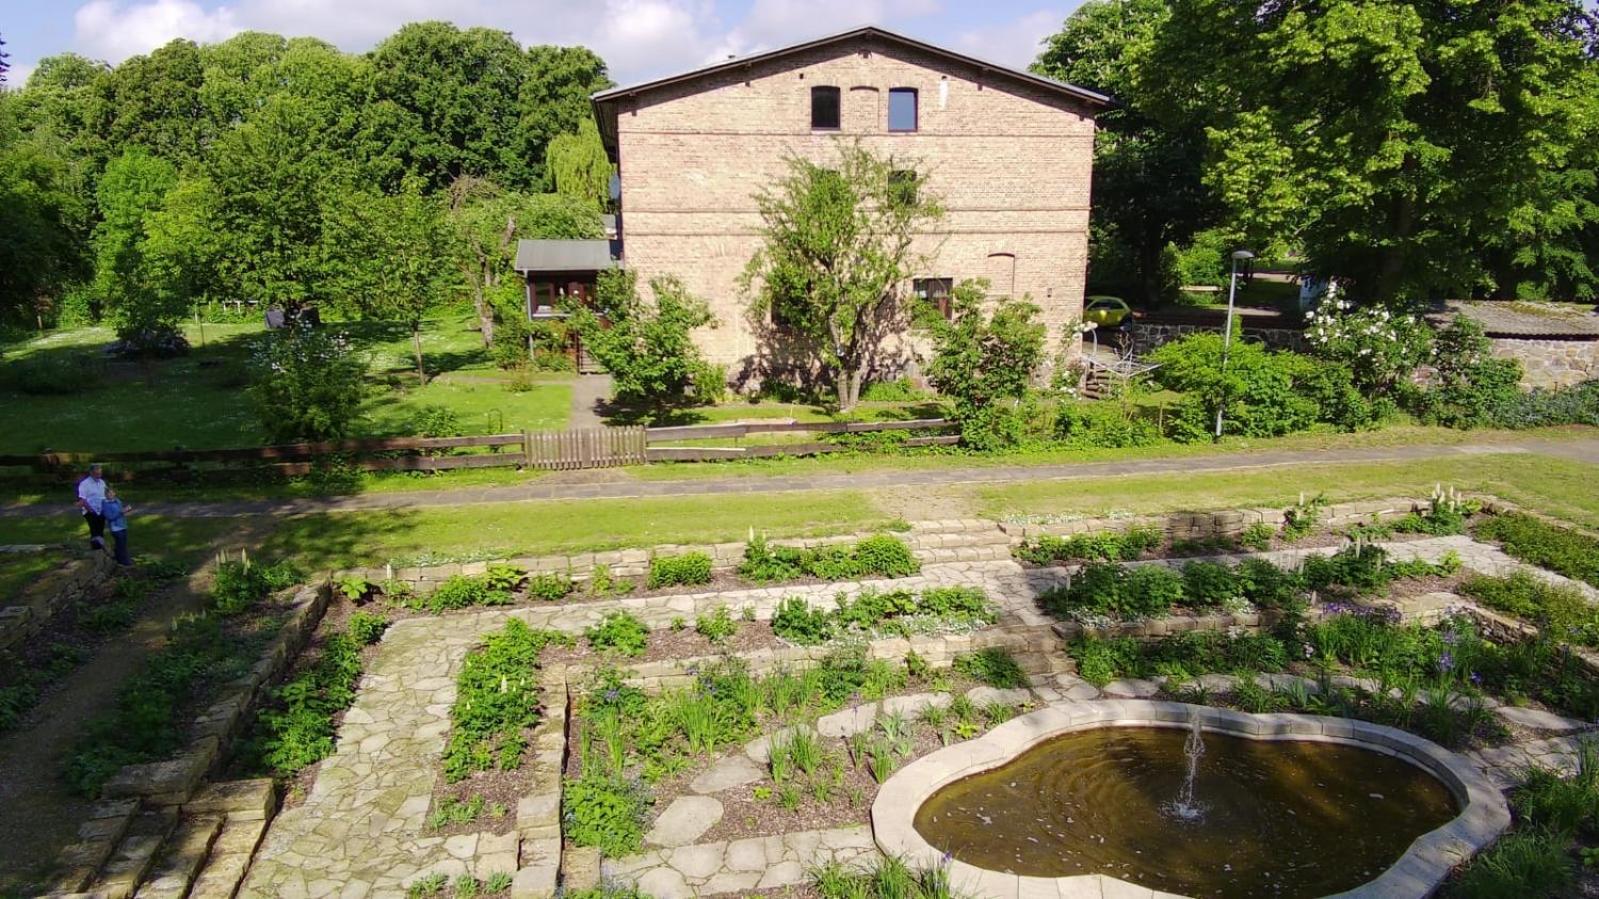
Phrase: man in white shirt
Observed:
(91, 496)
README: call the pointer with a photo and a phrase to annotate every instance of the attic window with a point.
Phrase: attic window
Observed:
(902, 109)
(825, 108)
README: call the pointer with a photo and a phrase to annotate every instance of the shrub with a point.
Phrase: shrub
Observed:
(982, 358)
(798, 622)
(716, 627)
(308, 385)
(649, 348)
(1568, 805)
(368, 627)
(887, 556)
(1564, 613)
(457, 592)
(1263, 394)
(1469, 384)
(1209, 585)
(497, 698)
(1256, 537)
(900, 390)
(298, 731)
(605, 812)
(883, 555)
(436, 421)
(1380, 346)
(889, 878)
(679, 571)
(1541, 408)
(1091, 425)
(1100, 661)
(239, 585)
(1106, 588)
(1537, 542)
(620, 632)
(994, 666)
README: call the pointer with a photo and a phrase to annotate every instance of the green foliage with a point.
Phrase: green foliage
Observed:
(367, 627)
(1561, 612)
(240, 585)
(1262, 393)
(1537, 542)
(604, 811)
(144, 725)
(648, 347)
(619, 632)
(450, 811)
(1257, 537)
(1530, 863)
(1203, 262)
(549, 586)
(1381, 347)
(497, 700)
(798, 622)
(297, 729)
(1209, 585)
(882, 554)
(1469, 384)
(994, 666)
(1106, 588)
(1113, 546)
(141, 304)
(683, 570)
(307, 384)
(836, 254)
(1102, 425)
(1543, 407)
(981, 358)
(889, 878)
(578, 166)
(461, 591)
(1549, 800)
(717, 627)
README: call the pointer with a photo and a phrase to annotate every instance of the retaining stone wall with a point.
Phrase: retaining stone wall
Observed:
(1550, 363)
(1197, 525)
(64, 585)
(1148, 337)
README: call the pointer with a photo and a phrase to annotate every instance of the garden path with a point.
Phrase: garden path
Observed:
(614, 484)
(588, 393)
(38, 815)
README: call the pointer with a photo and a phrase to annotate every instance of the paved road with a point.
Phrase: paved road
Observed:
(615, 484)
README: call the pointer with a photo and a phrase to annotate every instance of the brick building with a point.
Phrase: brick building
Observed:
(1009, 153)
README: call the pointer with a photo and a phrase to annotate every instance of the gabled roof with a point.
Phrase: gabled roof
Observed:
(564, 256)
(605, 101)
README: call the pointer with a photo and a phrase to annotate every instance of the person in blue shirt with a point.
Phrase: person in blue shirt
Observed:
(116, 521)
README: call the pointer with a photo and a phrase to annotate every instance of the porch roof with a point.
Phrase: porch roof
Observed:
(564, 255)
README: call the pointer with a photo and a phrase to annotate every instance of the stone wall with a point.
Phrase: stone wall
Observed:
(73, 580)
(1147, 337)
(1550, 363)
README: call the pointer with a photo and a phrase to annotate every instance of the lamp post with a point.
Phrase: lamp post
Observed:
(1227, 333)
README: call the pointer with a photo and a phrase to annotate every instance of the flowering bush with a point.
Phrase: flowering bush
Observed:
(1471, 386)
(308, 385)
(1380, 347)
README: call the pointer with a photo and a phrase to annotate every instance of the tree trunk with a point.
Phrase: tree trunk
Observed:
(485, 312)
(849, 389)
(416, 344)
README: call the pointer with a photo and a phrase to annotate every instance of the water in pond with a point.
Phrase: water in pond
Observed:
(1277, 818)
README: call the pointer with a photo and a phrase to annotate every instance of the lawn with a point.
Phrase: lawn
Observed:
(17, 570)
(186, 540)
(435, 535)
(199, 400)
(1559, 487)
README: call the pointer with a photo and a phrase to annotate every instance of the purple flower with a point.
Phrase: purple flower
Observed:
(1476, 678)
(1451, 638)
(1446, 662)
(612, 694)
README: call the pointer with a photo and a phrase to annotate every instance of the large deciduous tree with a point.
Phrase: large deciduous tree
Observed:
(578, 166)
(143, 306)
(839, 247)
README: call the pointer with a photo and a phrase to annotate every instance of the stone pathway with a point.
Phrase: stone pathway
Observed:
(588, 392)
(623, 487)
(756, 863)
(1505, 765)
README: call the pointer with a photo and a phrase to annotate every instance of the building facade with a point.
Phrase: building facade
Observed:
(1009, 154)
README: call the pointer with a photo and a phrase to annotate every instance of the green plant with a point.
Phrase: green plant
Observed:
(1300, 520)
(240, 585)
(603, 583)
(1107, 588)
(798, 622)
(606, 812)
(1561, 804)
(1209, 585)
(1546, 545)
(503, 577)
(1469, 384)
(307, 384)
(499, 882)
(466, 887)
(353, 588)
(368, 627)
(1257, 537)
(1528, 863)
(1564, 613)
(549, 587)
(497, 699)
(993, 666)
(620, 632)
(682, 570)
(457, 592)
(455, 811)
(888, 878)
(717, 627)
(883, 555)
(430, 885)
(648, 347)
(1110, 546)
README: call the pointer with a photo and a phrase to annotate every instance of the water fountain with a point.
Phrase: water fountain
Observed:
(1185, 807)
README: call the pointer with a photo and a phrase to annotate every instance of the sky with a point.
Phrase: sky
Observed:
(640, 39)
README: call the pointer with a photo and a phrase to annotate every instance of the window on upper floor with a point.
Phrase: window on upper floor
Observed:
(825, 108)
(902, 109)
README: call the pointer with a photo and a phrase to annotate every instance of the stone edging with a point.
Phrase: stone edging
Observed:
(65, 583)
(1483, 817)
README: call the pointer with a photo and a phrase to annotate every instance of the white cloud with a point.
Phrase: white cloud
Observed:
(115, 30)
(777, 23)
(1015, 43)
(17, 74)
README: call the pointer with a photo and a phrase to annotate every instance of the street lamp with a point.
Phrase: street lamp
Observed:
(1227, 333)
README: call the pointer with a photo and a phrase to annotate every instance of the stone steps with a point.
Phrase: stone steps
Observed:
(181, 859)
(134, 857)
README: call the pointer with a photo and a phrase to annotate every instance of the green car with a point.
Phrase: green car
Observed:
(1105, 311)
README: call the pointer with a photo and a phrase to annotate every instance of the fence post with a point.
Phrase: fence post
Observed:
(527, 448)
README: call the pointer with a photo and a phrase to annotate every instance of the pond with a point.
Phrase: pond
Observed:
(1264, 818)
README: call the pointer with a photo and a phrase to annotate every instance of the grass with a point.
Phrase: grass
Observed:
(199, 400)
(185, 540)
(505, 530)
(1560, 487)
(17, 570)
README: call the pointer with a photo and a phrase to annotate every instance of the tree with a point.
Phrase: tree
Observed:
(980, 358)
(649, 348)
(308, 385)
(839, 247)
(144, 308)
(486, 223)
(578, 166)
(554, 99)
(1142, 142)
(390, 257)
(43, 216)
(154, 102)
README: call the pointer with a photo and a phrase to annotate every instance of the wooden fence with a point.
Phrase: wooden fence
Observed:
(576, 448)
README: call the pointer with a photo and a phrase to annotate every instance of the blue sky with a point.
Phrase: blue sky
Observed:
(639, 38)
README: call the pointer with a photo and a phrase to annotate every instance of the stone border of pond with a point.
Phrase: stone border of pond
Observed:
(1425, 865)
